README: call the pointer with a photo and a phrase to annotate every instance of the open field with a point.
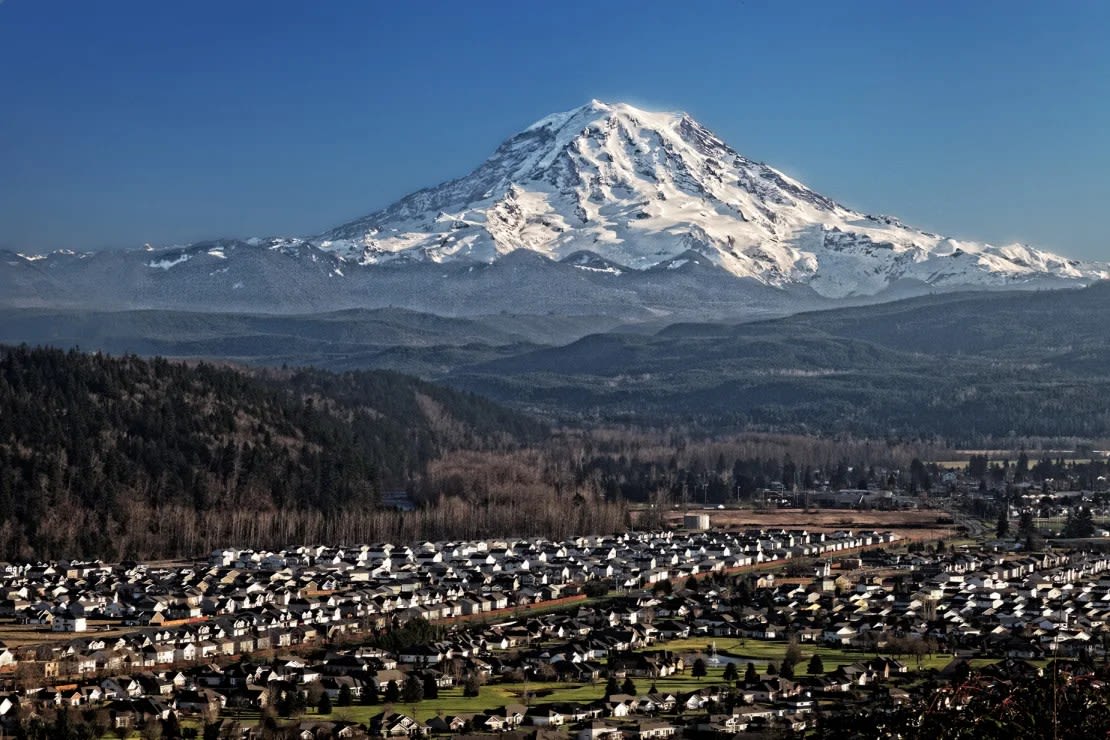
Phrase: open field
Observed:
(1057, 522)
(762, 651)
(918, 524)
(451, 701)
(19, 635)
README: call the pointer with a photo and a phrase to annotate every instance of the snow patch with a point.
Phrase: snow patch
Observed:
(641, 188)
(165, 264)
(607, 270)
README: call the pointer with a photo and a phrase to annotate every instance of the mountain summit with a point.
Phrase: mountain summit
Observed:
(644, 189)
(602, 211)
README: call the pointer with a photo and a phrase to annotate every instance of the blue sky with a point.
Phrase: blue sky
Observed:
(128, 122)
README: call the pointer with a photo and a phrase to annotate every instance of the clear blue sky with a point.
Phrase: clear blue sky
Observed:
(123, 122)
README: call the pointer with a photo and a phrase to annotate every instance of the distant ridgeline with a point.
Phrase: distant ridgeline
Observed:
(967, 367)
(120, 456)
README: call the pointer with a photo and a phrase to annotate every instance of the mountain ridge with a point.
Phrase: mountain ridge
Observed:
(605, 210)
(970, 366)
(639, 188)
(965, 366)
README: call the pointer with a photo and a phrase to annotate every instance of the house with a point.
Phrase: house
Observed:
(121, 687)
(650, 729)
(8, 704)
(395, 724)
(421, 655)
(128, 713)
(199, 701)
(453, 723)
(68, 621)
(544, 716)
(598, 730)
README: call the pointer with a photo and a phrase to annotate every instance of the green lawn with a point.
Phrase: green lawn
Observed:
(451, 701)
(762, 651)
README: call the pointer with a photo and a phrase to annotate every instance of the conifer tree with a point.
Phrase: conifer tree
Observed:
(816, 665)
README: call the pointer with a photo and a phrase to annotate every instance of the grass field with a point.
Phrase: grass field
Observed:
(19, 635)
(762, 651)
(1057, 522)
(919, 524)
(451, 701)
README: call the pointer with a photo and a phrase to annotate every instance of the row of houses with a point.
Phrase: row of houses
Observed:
(244, 600)
(974, 603)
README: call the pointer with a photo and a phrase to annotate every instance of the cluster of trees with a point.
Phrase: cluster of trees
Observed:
(128, 458)
(628, 686)
(667, 470)
(787, 668)
(416, 631)
(93, 724)
(288, 703)
(636, 465)
(1061, 703)
(1086, 472)
(1080, 524)
(125, 457)
(580, 481)
(535, 491)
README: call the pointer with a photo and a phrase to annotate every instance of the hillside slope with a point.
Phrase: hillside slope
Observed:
(965, 366)
(613, 188)
(127, 456)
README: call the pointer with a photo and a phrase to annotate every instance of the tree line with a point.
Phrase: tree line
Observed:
(125, 457)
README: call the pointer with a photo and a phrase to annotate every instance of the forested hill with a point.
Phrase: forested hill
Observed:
(971, 368)
(116, 455)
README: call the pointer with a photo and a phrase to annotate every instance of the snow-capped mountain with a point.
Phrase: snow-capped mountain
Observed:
(638, 189)
(603, 211)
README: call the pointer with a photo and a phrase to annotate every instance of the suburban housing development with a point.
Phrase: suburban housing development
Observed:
(249, 629)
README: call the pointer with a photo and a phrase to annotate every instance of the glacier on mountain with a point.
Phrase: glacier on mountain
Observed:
(639, 188)
(605, 210)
